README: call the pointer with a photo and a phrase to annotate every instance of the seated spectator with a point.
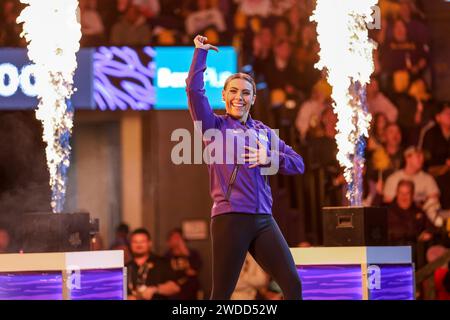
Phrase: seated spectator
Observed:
(186, 263)
(382, 162)
(392, 146)
(310, 111)
(121, 236)
(262, 50)
(282, 30)
(251, 279)
(416, 29)
(436, 144)
(414, 110)
(426, 191)
(322, 153)
(205, 15)
(407, 224)
(121, 241)
(425, 186)
(377, 102)
(305, 57)
(131, 29)
(377, 131)
(150, 277)
(402, 54)
(4, 240)
(92, 29)
(279, 72)
(295, 21)
(171, 17)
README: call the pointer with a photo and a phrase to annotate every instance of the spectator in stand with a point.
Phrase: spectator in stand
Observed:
(306, 56)
(377, 102)
(186, 263)
(282, 30)
(382, 162)
(414, 110)
(416, 29)
(131, 29)
(310, 111)
(92, 29)
(121, 241)
(323, 150)
(426, 191)
(401, 55)
(171, 18)
(393, 147)
(407, 223)
(425, 186)
(294, 17)
(206, 15)
(251, 280)
(279, 71)
(149, 276)
(262, 50)
(437, 147)
(377, 131)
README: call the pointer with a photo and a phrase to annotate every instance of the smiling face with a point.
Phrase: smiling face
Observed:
(239, 96)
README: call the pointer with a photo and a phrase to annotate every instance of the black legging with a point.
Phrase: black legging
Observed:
(233, 234)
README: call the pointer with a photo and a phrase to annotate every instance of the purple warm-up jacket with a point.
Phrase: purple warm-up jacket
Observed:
(235, 187)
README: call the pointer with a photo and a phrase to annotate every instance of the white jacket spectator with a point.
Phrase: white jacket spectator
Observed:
(424, 184)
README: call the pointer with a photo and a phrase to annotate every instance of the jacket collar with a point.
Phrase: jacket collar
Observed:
(250, 123)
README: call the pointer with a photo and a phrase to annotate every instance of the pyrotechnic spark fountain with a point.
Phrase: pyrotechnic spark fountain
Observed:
(52, 31)
(346, 53)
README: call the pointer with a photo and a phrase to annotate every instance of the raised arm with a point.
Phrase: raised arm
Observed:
(199, 106)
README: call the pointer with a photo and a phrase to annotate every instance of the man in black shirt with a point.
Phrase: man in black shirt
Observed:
(149, 276)
(437, 147)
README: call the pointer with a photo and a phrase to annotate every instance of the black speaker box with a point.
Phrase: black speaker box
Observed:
(354, 226)
(56, 232)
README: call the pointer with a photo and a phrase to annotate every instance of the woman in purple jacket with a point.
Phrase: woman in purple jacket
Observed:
(242, 211)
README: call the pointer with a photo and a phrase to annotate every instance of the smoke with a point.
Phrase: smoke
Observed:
(23, 173)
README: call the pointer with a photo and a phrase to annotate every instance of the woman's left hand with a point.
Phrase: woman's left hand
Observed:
(256, 156)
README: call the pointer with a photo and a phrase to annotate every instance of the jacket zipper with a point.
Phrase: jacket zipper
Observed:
(231, 182)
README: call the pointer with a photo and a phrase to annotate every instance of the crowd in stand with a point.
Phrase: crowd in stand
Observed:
(408, 151)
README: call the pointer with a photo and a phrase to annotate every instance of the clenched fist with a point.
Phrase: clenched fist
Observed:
(200, 42)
